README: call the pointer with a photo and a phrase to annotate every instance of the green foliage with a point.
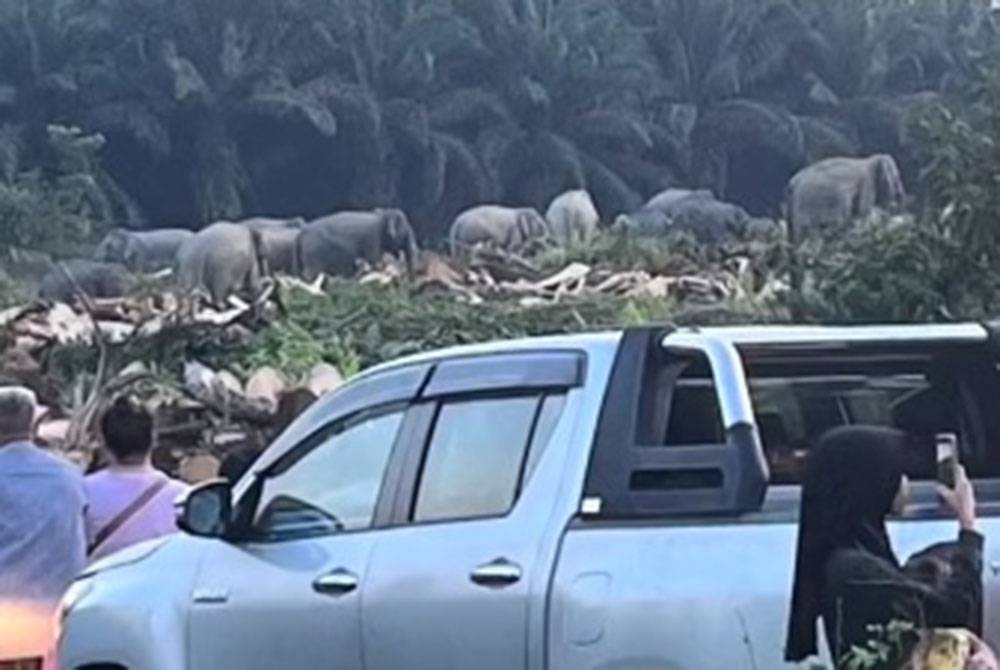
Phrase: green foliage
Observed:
(886, 650)
(299, 107)
(13, 292)
(289, 347)
(380, 324)
(59, 203)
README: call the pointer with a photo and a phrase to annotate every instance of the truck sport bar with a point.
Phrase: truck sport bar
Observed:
(634, 475)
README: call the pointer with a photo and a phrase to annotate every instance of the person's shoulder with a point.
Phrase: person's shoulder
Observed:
(849, 565)
(57, 464)
(176, 486)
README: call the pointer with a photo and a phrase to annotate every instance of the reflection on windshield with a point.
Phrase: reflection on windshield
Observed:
(334, 486)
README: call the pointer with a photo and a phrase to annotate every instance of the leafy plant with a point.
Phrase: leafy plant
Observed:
(886, 650)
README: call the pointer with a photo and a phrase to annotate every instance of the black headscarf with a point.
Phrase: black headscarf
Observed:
(852, 478)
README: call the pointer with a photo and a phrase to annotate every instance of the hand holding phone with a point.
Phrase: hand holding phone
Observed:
(947, 459)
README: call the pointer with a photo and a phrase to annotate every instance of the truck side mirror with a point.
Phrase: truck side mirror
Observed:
(207, 510)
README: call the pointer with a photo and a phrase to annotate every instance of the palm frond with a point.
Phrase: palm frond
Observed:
(739, 123)
(612, 194)
(615, 128)
(470, 108)
(292, 107)
(135, 121)
(11, 149)
(408, 124)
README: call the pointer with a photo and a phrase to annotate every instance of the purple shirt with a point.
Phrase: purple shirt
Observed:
(112, 490)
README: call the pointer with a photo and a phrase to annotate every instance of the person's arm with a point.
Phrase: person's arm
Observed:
(953, 580)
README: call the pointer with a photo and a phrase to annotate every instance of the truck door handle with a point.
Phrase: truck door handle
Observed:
(337, 582)
(497, 574)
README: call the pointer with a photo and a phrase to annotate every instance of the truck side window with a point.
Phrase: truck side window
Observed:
(331, 484)
(478, 454)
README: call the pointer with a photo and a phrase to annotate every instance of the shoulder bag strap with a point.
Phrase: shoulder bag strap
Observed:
(130, 511)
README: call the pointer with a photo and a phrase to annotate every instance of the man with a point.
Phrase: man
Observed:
(129, 501)
(42, 542)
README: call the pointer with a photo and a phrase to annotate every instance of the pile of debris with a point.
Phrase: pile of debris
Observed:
(495, 275)
(200, 418)
(204, 414)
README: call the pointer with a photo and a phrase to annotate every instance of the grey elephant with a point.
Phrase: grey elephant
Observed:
(836, 191)
(263, 223)
(700, 213)
(695, 211)
(335, 244)
(669, 199)
(507, 228)
(95, 278)
(278, 248)
(223, 259)
(146, 251)
(643, 223)
(572, 217)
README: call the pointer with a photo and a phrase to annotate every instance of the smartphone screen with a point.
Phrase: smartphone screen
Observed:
(947, 458)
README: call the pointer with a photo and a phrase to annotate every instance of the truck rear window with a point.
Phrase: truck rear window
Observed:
(798, 397)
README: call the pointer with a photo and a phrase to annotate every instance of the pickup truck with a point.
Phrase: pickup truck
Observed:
(614, 500)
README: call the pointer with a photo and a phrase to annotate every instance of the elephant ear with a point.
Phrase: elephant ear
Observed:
(523, 223)
(889, 182)
(539, 228)
(394, 228)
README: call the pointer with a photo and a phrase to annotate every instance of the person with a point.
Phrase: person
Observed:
(42, 505)
(128, 501)
(846, 571)
(42, 544)
(237, 463)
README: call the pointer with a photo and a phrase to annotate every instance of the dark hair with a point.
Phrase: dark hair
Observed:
(237, 462)
(128, 430)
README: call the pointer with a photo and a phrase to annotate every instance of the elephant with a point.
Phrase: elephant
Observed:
(95, 278)
(149, 251)
(334, 244)
(572, 217)
(223, 258)
(672, 197)
(643, 223)
(694, 211)
(263, 223)
(278, 247)
(700, 213)
(837, 191)
(507, 228)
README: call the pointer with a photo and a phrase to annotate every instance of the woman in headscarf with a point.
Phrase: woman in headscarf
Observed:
(846, 571)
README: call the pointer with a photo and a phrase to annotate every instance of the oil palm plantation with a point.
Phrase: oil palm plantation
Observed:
(219, 109)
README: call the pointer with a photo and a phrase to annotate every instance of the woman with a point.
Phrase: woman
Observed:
(846, 571)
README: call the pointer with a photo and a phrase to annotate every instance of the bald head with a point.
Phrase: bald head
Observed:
(17, 412)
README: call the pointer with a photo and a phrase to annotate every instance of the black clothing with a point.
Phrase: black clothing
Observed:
(845, 568)
(940, 588)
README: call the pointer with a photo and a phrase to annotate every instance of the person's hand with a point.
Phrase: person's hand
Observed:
(982, 657)
(961, 499)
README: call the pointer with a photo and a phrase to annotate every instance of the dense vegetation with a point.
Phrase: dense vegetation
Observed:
(179, 112)
(209, 110)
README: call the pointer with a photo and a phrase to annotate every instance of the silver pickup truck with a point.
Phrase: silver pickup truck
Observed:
(618, 500)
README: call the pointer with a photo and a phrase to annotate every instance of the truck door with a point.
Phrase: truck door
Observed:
(455, 583)
(287, 594)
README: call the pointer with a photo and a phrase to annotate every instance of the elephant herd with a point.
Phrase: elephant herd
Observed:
(228, 257)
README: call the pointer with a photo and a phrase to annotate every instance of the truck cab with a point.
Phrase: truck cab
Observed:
(614, 500)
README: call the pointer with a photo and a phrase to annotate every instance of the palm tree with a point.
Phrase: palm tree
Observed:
(186, 84)
(543, 93)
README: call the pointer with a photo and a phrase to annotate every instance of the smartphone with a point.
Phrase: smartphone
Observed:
(947, 458)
